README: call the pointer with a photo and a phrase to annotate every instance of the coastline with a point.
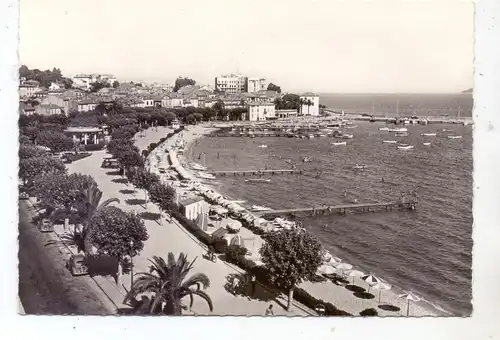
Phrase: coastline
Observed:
(328, 291)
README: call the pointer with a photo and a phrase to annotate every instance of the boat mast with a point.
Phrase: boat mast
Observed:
(373, 107)
(459, 108)
(397, 108)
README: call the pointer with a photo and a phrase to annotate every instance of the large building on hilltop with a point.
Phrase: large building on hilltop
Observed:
(257, 84)
(231, 83)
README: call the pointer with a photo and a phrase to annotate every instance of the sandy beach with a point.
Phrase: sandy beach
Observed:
(340, 296)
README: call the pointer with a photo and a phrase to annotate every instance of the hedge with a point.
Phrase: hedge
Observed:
(93, 147)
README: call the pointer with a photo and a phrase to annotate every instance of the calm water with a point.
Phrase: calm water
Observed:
(427, 251)
(409, 104)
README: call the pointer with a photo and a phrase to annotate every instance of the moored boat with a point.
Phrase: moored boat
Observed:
(338, 143)
(198, 167)
(427, 144)
(454, 137)
(406, 147)
(205, 175)
(429, 134)
(359, 167)
(401, 134)
(390, 141)
(258, 180)
(259, 208)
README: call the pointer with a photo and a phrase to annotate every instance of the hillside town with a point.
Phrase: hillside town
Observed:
(255, 98)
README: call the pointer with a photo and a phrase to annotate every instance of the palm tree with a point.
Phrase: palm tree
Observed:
(302, 102)
(308, 103)
(169, 284)
(91, 205)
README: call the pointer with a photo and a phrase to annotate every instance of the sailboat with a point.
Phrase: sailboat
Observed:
(372, 118)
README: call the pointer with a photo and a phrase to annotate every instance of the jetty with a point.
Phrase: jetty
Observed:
(258, 172)
(343, 209)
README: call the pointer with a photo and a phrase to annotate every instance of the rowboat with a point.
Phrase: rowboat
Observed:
(390, 141)
(429, 134)
(407, 147)
(454, 137)
(338, 143)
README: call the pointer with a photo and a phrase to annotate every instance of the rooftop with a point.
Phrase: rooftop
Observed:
(190, 201)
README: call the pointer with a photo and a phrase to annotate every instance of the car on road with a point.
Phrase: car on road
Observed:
(76, 265)
(110, 163)
(45, 225)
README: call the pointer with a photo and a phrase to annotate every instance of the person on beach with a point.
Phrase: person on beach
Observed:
(345, 193)
(217, 155)
(269, 310)
(254, 283)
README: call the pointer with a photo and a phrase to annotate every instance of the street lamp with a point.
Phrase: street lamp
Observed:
(131, 265)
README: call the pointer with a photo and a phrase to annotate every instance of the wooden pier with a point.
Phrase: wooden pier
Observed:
(256, 172)
(252, 135)
(343, 209)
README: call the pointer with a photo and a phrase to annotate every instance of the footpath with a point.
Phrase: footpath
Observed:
(167, 237)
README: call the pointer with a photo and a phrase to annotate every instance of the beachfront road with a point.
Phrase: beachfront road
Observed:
(45, 286)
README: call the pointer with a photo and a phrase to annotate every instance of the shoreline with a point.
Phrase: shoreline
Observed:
(420, 308)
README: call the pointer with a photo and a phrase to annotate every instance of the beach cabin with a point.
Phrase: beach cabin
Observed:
(192, 207)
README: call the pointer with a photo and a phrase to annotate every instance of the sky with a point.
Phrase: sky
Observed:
(325, 46)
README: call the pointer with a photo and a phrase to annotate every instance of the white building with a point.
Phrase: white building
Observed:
(310, 104)
(231, 83)
(260, 111)
(27, 90)
(108, 78)
(83, 81)
(256, 84)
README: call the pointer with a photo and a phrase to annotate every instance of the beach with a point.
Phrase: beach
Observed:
(328, 291)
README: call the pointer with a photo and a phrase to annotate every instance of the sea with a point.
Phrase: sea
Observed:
(427, 251)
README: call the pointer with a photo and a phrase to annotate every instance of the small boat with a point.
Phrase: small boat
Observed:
(344, 136)
(398, 130)
(198, 167)
(429, 134)
(351, 126)
(401, 134)
(454, 137)
(465, 123)
(427, 144)
(423, 121)
(359, 167)
(338, 143)
(258, 180)
(407, 147)
(205, 175)
(310, 136)
(263, 146)
(306, 159)
(259, 208)
(384, 129)
(390, 141)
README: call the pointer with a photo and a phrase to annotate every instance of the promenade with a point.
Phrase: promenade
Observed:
(170, 237)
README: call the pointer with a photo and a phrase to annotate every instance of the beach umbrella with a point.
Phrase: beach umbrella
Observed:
(380, 286)
(326, 269)
(233, 225)
(354, 273)
(409, 297)
(237, 240)
(343, 267)
(335, 260)
(371, 279)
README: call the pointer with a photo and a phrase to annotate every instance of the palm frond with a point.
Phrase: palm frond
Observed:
(205, 297)
(197, 279)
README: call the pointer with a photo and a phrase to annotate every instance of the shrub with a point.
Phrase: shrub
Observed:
(369, 312)
(235, 252)
(93, 147)
(220, 245)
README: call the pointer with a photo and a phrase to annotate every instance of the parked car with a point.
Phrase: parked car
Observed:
(77, 265)
(109, 163)
(23, 196)
(45, 225)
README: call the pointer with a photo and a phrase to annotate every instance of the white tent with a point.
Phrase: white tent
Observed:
(237, 240)
(202, 220)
